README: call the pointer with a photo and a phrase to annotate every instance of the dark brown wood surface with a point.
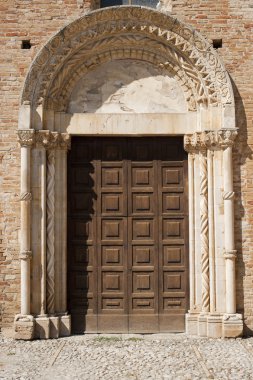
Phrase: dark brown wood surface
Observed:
(127, 234)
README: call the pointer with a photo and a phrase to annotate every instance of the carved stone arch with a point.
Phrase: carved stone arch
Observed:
(103, 31)
(63, 84)
(208, 125)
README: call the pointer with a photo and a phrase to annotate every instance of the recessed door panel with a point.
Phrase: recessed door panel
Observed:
(127, 235)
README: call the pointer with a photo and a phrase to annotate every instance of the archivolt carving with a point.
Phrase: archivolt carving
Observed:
(198, 55)
(148, 49)
(66, 80)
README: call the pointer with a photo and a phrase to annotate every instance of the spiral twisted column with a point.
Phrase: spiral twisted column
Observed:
(50, 230)
(204, 230)
(50, 144)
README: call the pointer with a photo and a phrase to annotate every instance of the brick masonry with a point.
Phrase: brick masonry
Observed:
(37, 21)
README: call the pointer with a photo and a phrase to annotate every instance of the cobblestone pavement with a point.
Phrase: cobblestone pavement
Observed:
(125, 357)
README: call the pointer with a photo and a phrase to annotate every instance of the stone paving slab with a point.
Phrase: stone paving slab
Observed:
(127, 357)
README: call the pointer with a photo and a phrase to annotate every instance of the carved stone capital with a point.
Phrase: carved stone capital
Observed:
(200, 141)
(26, 137)
(226, 137)
(25, 255)
(26, 196)
(195, 142)
(65, 141)
(211, 139)
(42, 138)
(231, 255)
(52, 140)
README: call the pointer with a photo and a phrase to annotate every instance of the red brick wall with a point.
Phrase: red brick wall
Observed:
(37, 21)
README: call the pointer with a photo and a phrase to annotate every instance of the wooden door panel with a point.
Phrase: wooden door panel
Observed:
(172, 203)
(173, 256)
(112, 177)
(127, 235)
(112, 237)
(142, 255)
(112, 255)
(142, 230)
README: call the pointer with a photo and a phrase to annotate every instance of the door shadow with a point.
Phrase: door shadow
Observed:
(241, 153)
(81, 229)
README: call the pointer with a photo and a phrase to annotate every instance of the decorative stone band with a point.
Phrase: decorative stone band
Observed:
(44, 138)
(26, 196)
(228, 195)
(232, 255)
(25, 255)
(198, 141)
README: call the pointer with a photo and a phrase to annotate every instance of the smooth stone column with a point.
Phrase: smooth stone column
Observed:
(24, 323)
(210, 154)
(230, 252)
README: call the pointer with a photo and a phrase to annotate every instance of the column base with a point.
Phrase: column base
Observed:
(202, 324)
(191, 323)
(214, 325)
(42, 327)
(52, 327)
(24, 327)
(232, 325)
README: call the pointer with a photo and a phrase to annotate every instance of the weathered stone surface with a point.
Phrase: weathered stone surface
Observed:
(115, 87)
(24, 327)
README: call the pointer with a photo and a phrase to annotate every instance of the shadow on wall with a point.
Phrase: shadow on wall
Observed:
(127, 86)
(241, 153)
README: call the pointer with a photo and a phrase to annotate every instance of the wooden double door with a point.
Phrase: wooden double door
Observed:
(127, 234)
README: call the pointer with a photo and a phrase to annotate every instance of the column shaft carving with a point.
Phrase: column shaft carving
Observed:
(50, 230)
(51, 141)
(197, 142)
(204, 231)
(204, 142)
